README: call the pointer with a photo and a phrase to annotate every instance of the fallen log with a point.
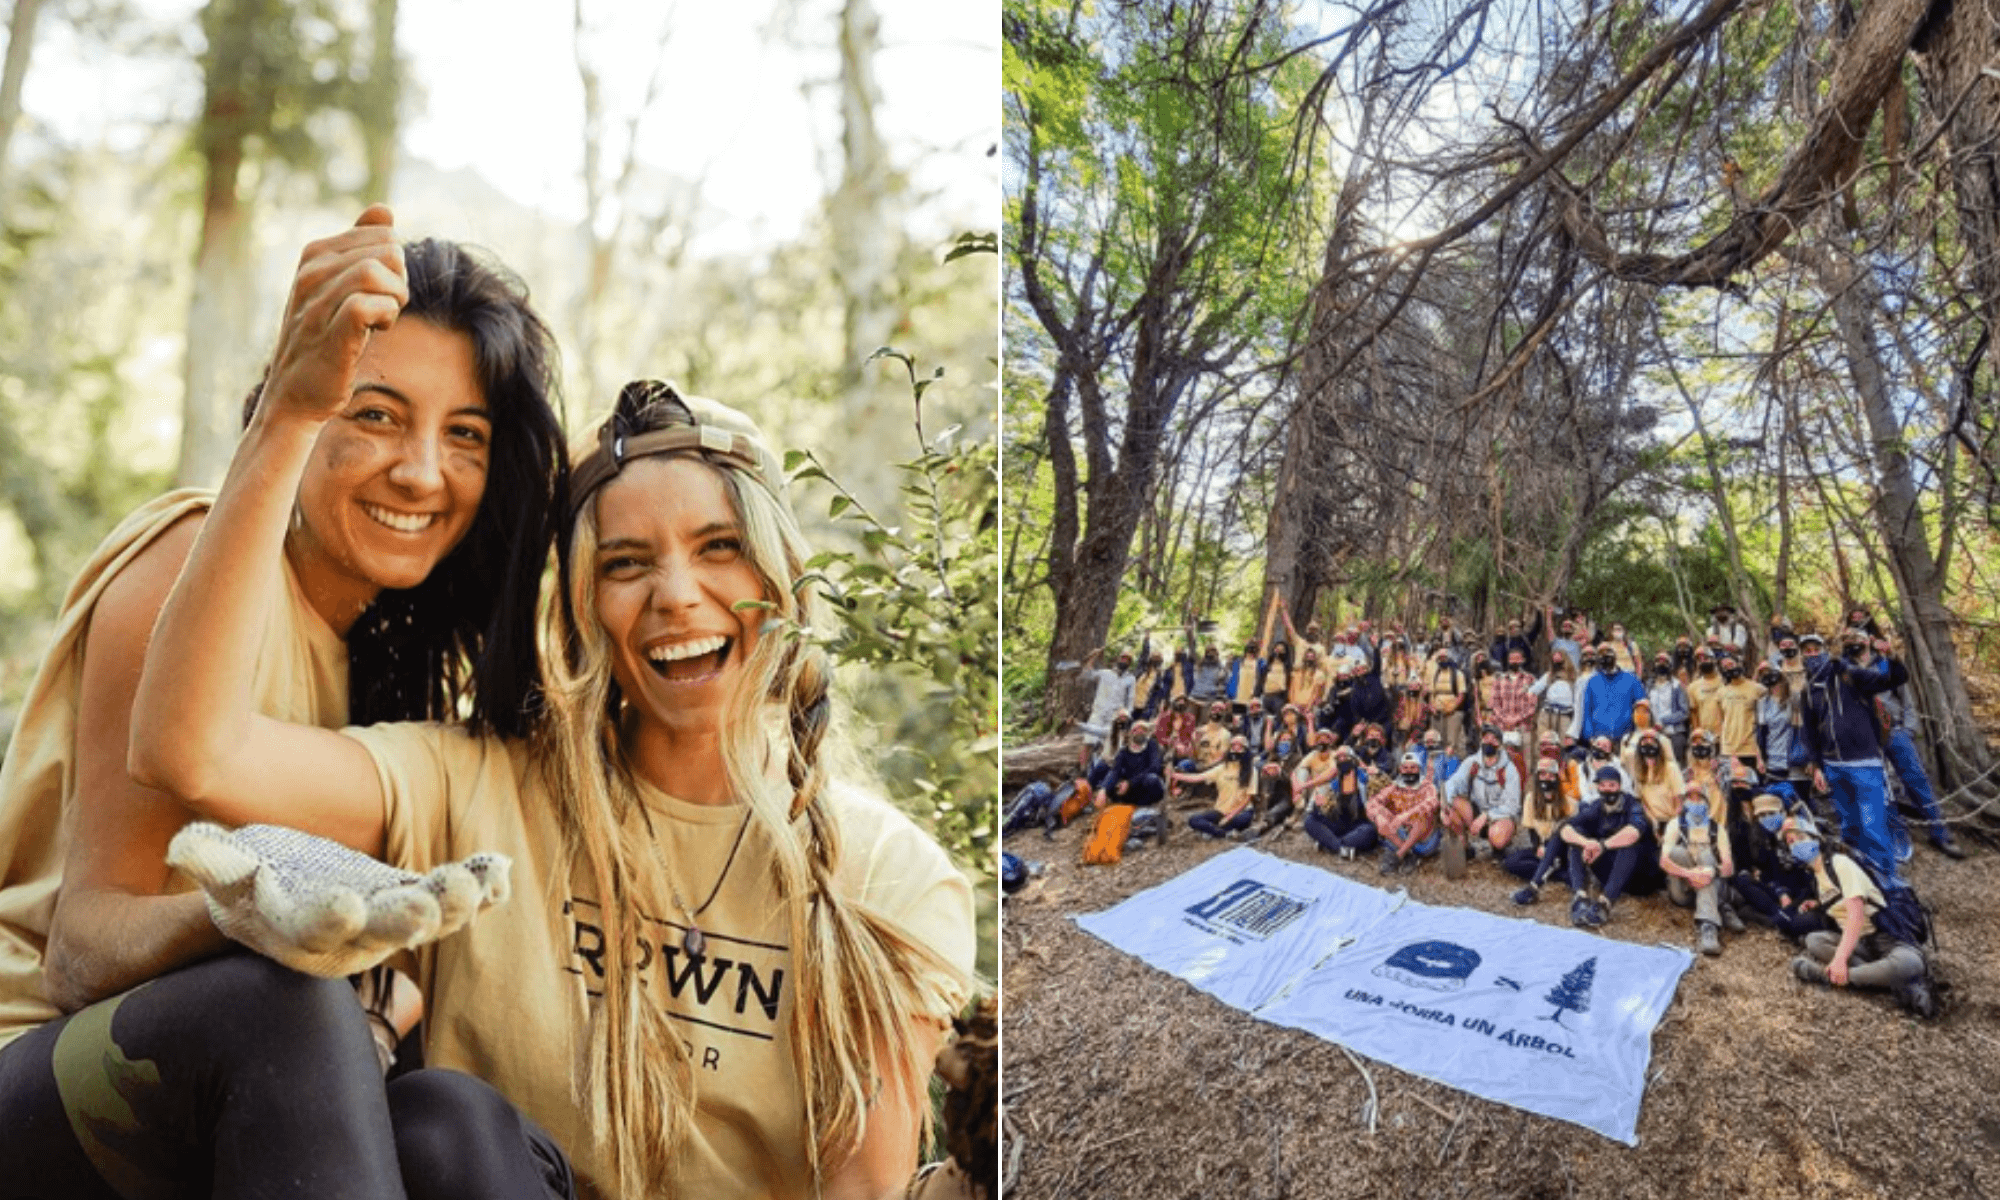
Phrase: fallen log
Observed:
(1050, 760)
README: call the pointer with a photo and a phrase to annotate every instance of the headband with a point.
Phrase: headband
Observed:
(702, 427)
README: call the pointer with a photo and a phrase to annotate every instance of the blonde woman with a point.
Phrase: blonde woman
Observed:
(720, 974)
(1656, 777)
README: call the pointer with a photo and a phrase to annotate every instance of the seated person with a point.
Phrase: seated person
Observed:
(1860, 955)
(1137, 775)
(1770, 886)
(1232, 780)
(1695, 855)
(1405, 815)
(1114, 741)
(1608, 841)
(1656, 777)
(1484, 795)
(1315, 772)
(1274, 798)
(1337, 816)
(1548, 804)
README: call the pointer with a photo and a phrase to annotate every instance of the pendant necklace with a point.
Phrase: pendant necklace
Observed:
(693, 942)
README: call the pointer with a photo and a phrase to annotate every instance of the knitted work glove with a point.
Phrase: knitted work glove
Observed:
(320, 908)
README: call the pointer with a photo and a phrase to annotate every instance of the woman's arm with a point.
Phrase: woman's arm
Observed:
(881, 1166)
(195, 730)
(112, 929)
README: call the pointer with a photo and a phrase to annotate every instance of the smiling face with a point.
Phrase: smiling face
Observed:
(395, 480)
(670, 571)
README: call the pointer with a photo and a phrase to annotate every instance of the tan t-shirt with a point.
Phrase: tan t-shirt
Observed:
(1738, 702)
(301, 678)
(1704, 703)
(505, 998)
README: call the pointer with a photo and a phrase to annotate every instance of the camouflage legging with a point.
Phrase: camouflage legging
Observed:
(237, 1078)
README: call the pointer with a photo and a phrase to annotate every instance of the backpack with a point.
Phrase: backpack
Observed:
(1030, 804)
(1013, 873)
(1106, 846)
(1073, 799)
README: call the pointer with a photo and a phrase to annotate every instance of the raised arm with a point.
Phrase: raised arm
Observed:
(195, 731)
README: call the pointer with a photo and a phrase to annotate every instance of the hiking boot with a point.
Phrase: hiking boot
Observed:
(1948, 846)
(1730, 920)
(1391, 863)
(1809, 970)
(1917, 997)
(1579, 912)
(1598, 914)
(1706, 940)
(1527, 895)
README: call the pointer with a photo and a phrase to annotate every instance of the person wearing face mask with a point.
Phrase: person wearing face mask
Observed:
(1177, 729)
(1669, 701)
(1245, 689)
(1684, 665)
(1609, 842)
(1308, 681)
(1565, 639)
(1737, 697)
(1704, 706)
(1484, 795)
(1860, 954)
(1624, 648)
(1209, 676)
(1725, 629)
(1786, 658)
(1439, 763)
(1151, 686)
(1604, 709)
(1656, 777)
(1275, 805)
(1405, 814)
(1776, 734)
(1549, 802)
(1770, 886)
(1112, 695)
(1844, 746)
(1695, 855)
(1512, 703)
(1372, 746)
(1448, 688)
(1555, 692)
(1517, 638)
(1337, 819)
(1235, 791)
(1285, 739)
(1137, 779)
(1315, 773)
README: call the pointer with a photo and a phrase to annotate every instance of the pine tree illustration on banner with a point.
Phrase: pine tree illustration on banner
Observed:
(1573, 992)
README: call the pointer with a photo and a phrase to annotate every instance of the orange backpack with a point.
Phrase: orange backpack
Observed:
(1107, 838)
(1078, 800)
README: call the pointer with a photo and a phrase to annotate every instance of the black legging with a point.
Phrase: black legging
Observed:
(237, 1078)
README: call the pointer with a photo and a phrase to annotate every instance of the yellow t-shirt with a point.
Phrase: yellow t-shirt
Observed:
(1848, 880)
(506, 998)
(1704, 705)
(1738, 704)
(301, 678)
(1304, 685)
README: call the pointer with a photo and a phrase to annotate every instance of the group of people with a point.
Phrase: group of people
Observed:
(721, 973)
(1749, 786)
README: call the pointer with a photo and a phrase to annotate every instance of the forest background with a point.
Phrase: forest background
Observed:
(1407, 309)
(750, 202)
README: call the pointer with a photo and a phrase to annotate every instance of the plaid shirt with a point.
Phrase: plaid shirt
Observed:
(1512, 706)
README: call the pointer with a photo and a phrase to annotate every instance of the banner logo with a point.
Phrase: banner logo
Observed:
(1248, 908)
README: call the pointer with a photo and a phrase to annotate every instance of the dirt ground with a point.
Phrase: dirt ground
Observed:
(1122, 1081)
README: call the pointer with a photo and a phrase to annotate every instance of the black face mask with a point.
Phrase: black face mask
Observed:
(1409, 778)
(1372, 746)
(1488, 749)
(1791, 653)
(1732, 673)
(1702, 752)
(1662, 669)
(1708, 668)
(1851, 653)
(1769, 681)
(1346, 767)
(1607, 665)
(1600, 755)
(1648, 750)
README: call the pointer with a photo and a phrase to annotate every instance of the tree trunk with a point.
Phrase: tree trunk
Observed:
(1963, 752)
(379, 125)
(1953, 50)
(20, 44)
(216, 371)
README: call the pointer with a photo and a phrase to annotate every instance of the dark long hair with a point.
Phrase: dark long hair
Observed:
(461, 645)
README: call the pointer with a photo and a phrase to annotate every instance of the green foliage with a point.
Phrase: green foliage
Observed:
(920, 607)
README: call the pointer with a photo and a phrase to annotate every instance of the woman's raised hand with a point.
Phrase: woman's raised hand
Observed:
(347, 286)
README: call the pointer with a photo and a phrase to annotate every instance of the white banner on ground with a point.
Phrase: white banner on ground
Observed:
(1550, 1020)
(1554, 1021)
(1242, 926)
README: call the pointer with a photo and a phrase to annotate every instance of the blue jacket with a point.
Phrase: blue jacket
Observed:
(1839, 711)
(1606, 706)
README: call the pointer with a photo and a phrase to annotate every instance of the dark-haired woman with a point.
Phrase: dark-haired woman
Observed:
(405, 588)
(803, 942)
(1235, 792)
